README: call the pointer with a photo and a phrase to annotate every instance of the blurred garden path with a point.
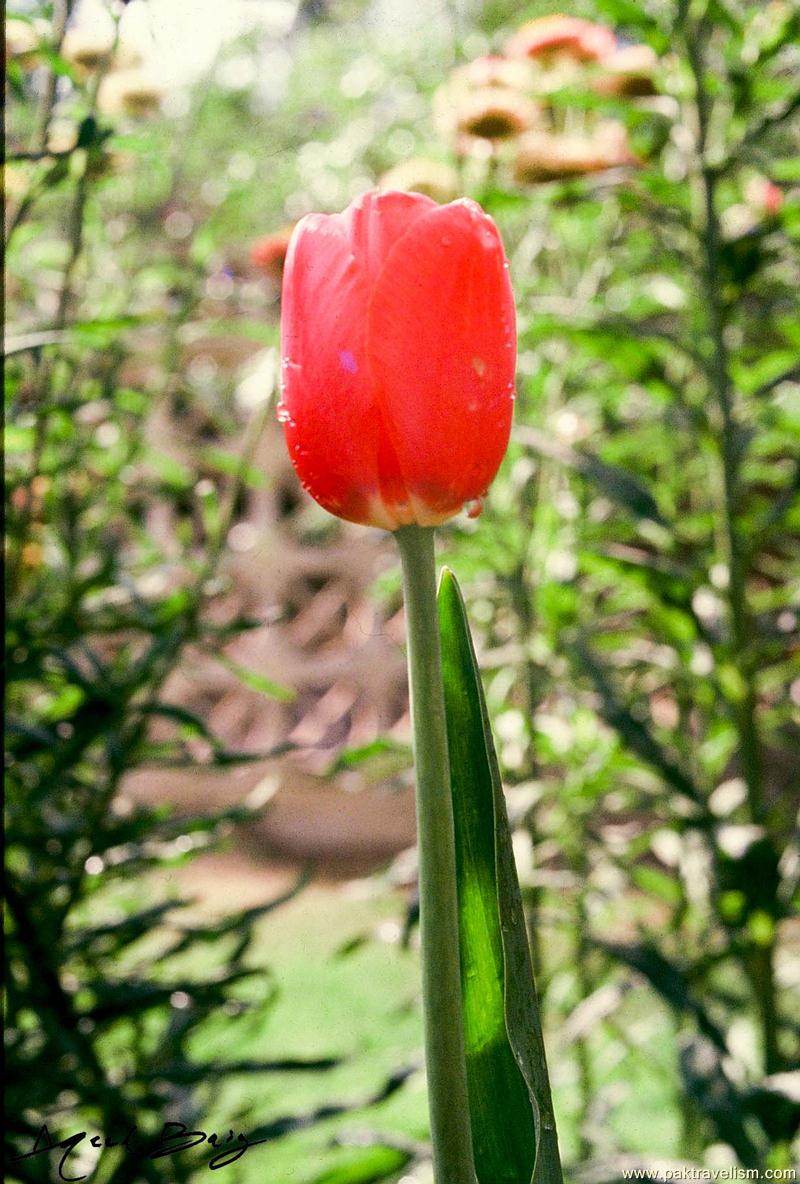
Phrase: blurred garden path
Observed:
(334, 650)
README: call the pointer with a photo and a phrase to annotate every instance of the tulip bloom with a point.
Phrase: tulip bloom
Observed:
(399, 348)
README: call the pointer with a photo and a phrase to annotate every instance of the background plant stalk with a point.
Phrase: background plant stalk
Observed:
(441, 974)
(761, 966)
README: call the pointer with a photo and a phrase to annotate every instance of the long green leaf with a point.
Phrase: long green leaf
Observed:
(511, 1113)
(367, 1166)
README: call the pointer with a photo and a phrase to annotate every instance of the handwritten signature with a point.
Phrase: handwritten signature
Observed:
(174, 1138)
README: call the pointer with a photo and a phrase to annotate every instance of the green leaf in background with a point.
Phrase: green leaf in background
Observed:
(256, 681)
(381, 758)
(232, 465)
(513, 1129)
(786, 170)
(620, 486)
(365, 1167)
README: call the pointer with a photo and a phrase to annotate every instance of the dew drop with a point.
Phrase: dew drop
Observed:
(446, 241)
(474, 507)
(283, 415)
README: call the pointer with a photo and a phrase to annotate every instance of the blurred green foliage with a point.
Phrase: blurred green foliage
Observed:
(633, 581)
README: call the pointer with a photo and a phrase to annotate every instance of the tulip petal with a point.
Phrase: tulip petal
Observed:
(376, 222)
(441, 348)
(331, 422)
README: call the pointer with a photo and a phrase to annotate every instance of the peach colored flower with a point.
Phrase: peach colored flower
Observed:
(433, 178)
(628, 71)
(492, 70)
(764, 196)
(494, 113)
(24, 39)
(559, 34)
(134, 92)
(471, 117)
(547, 156)
(89, 47)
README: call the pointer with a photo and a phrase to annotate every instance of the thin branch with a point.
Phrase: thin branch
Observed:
(61, 14)
(790, 375)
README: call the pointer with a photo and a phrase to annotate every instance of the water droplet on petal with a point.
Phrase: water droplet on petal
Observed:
(479, 366)
(348, 362)
(474, 507)
(446, 241)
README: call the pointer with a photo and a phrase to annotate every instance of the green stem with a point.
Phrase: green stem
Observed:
(742, 639)
(61, 14)
(731, 449)
(586, 985)
(441, 971)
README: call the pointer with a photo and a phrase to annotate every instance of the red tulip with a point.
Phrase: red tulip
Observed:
(399, 342)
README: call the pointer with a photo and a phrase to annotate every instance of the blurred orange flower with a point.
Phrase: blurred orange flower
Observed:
(134, 92)
(492, 70)
(764, 196)
(559, 34)
(628, 71)
(468, 108)
(433, 178)
(545, 156)
(23, 40)
(494, 113)
(269, 253)
(89, 47)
